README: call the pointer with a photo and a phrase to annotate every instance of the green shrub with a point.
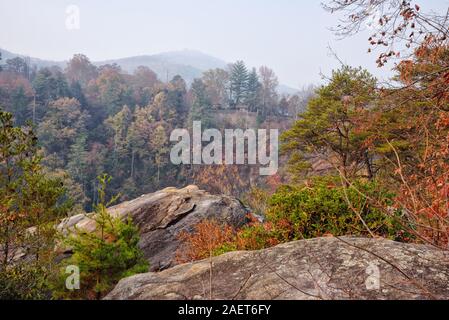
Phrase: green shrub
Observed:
(320, 208)
(104, 256)
(24, 282)
(324, 208)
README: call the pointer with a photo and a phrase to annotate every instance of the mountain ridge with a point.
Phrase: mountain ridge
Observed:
(190, 64)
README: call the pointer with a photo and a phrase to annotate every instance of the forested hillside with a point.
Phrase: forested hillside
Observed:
(87, 182)
(91, 120)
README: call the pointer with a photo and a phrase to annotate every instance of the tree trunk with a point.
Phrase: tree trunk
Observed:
(132, 164)
(369, 170)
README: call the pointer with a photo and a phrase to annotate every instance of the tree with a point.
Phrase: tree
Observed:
(19, 66)
(139, 136)
(159, 142)
(200, 105)
(238, 82)
(120, 123)
(297, 103)
(31, 204)
(216, 82)
(78, 168)
(77, 92)
(111, 90)
(400, 27)
(80, 70)
(253, 91)
(170, 104)
(269, 86)
(331, 128)
(144, 81)
(20, 103)
(176, 102)
(50, 84)
(410, 124)
(409, 133)
(118, 127)
(63, 123)
(104, 256)
(15, 147)
(16, 95)
(284, 106)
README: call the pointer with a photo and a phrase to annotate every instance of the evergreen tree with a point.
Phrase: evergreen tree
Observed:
(77, 166)
(20, 104)
(104, 256)
(31, 204)
(253, 86)
(139, 136)
(201, 106)
(284, 106)
(63, 123)
(77, 93)
(332, 127)
(176, 102)
(159, 143)
(18, 65)
(50, 85)
(238, 82)
(112, 90)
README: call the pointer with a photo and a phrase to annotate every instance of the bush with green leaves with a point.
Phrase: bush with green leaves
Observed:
(104, 256)
(24, 282)
(321, 207)
(326, 208)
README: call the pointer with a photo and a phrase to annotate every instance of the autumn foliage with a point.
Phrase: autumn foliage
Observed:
(207, 237)
(424, 179)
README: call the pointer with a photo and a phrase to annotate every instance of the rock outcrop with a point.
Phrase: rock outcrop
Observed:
(162, 215)
(322, 268)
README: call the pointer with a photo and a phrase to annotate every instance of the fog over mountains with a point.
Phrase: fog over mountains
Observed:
(189, 64)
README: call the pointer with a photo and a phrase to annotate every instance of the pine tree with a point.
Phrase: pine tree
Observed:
(62, 124)
(78, 167)
(31, 204)
(104, 256)
(332, 127)
(201, 106)
(253, 86)
(138, 139)
(159, 143)
(239, 80)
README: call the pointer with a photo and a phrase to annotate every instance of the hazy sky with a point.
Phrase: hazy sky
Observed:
(287, 35)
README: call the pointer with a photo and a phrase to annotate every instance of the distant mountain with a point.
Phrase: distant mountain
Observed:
(189, 64)
(283, 89)
(40, 63)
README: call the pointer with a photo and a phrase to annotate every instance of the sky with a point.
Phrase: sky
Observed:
(290, 36)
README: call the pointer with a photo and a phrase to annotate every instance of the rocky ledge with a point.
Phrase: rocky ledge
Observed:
(162, 215)
(321, 268)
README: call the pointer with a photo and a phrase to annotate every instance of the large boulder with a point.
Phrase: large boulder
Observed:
(162, 215)
(321, 268)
